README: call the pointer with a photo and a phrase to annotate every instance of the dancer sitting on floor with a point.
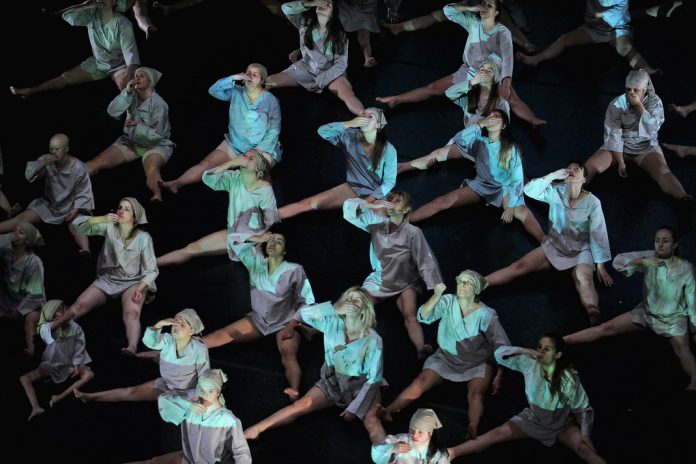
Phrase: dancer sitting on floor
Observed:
(420, 445)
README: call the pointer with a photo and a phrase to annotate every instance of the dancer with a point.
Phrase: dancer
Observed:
(65, 356)
(254, 124)
(278, 289)
(250, 212)
(370, 163)
(468, 334)
(68, 191)
(183, 358)
(420, 445)
(209, 431)
(360, 16)
(22, 291)
(400, 257)
(577, 237)
(126, 267)
(605, 22)
(553, 391)
(669, 299)
(323, 49)
(499, 177)
(114, 51)
(146, 130)
(351, 376)
(631, 125)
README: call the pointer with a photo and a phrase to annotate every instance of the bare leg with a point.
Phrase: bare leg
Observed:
(341, 87)
(85, 376)
(569, 39)
(682, 151)
(193, 174)
(28, 215)
(664, 10)
(523, 111)
(366, 47)
(109, 158)
(30, 321)
(329, 199)
(518, 37)
(81, 240)
(620, 324)
(655, 165)
(407, 304)
(288, 356)
(624, 47)
(280, 80)
(5, 204)
(420, 94)
(584, 284)
(273, 6)
(143, 19)
(72, 76)
(476, 392)
(131, 319)
(372, 423)
(312, 401)
(441, 154)
(505, 432)
(528, 220)
(684, 110)
(426, 380)
(458, 197)
(27, 380)
(415, 24)
(572, 438)
(143, 392)
(89, 299)
(533, 261)
(681, 347)
(152, 165)
(598, 163)
(241, 331)
(211, 245)
(170, 458)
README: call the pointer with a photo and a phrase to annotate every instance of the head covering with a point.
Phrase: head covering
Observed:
(48, 310)
(193, 320)
(478, 280)
(152, 74)
(381, 119)
(213, 378)
(425, 420)
(639, 78)
(496, 68)
(124, 5)
(139, 215)
(34, 238)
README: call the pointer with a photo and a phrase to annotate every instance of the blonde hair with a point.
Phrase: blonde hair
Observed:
(367, 316)
(262, 69)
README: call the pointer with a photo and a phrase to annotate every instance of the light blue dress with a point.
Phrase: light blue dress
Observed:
(251, 125)
(606, 20)
(385, 453)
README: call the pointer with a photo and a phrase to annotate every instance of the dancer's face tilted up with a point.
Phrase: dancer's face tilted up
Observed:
(664, 244)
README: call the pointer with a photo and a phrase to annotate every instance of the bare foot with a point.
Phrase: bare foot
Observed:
(426, 351)
(23, 93)
(593, 316)
(54, 399)
(128, 351)
(156, 198)
(389, 101)
(170, 186)
(292, 393)
(530, 48)
(525, 59)
(655, 72)
(383, 413)
(423, 163)
(395, 29)
(84, 397)
(149, 31)
(85, 253)
(251, 433)
(15, 210)
(36, 412)
(682, 151)
(371, 62)
(537, 122)
(471, 432)
(678, 109)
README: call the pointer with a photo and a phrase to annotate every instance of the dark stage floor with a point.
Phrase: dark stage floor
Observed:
(634, 382)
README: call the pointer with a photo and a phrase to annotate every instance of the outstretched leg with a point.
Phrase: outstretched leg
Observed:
(241, 331)
(341, 87)
(85, 376)
(441, 154)
(684, 110)
(366, 47)
(528, 220)
(505, 432)
(329, 199)
(288, 357)
(523, 111)
(214, 244)
(583, 277)
(372, 423)
(81, 240)
(569, 39)
(193, 174)
(28, 215)
(655, 165)
(598, 163)
(476, 393)
(143, 18)
(131, 318)
(30, 321)
(143, 392)
(533, 261)
(573, 439)
(152, 163)
(72, 76)
(407, 304)
(426, 380)
(680, 344)
(113, 156)
(415, 24)
(27, 380)
(664, 10)
(89, 299)
(420, 94)
(624, 47)
(175, 457)
(458, 197)
(618, 325)
(682, 151)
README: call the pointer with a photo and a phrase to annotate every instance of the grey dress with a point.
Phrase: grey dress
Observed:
(65, 348)
(319, 66)
(669, 296)
(577, 235)
(275, 298)
(23, 286)
(495, 45)
(547, 415)
(178, 371)
(215, 437)
(120, 266)
(399, 259)
(358, 14)
(352, 372)
(65, 189)
(465, 344)
(625, 132)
